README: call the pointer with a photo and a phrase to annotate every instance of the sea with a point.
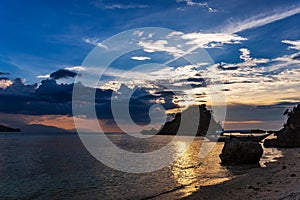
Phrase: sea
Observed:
(58, 166)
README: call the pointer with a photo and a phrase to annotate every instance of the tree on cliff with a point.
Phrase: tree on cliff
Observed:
(289, 136)
(293, 120)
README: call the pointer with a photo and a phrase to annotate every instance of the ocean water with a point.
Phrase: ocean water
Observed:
(59, 167)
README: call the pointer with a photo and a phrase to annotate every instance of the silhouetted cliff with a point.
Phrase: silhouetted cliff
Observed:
(289, 136)
(293, 121)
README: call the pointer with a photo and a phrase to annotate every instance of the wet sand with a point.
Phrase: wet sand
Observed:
(278, 180)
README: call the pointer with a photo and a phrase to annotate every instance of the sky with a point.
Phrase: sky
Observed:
(252, 47)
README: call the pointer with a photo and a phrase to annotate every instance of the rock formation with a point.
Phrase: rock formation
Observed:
(205, 122)
(289, 136)
(236, 151)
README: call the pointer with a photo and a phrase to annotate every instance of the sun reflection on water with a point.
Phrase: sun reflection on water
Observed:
(270, 155)
(190, 171)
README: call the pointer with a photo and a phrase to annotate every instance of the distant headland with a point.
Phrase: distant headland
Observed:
(8, 129)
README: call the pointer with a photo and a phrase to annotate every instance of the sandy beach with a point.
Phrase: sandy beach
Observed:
(278, 180)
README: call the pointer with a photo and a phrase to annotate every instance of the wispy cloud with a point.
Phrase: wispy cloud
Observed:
(256, 76)
(125, 6)
(260, 20)
(196, 4)
(192, 3)
(212, 10)
(161, 46)
(76, 68)
(94, 41)
(44, 76)
(192, 41)
(138, 33)
(294, 44)
(290, 59)
(245, 54)
(211, 40)
(113, 6)
(261, 77)
(140, 58)
(227, 34)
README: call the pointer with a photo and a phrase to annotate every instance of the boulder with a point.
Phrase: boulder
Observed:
(236, 151)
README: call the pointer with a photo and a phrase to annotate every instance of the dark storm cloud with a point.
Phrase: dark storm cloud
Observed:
(4, 73)
(62, 73)
(197, 82)
(140, 103)
(197, 79)
(225, 90)
(296, 57)
(19, 88)
(192, 82)
(168, 96)
(51, 98)
(166, 93)
(221, 67)
(50, 91)
(48, 98)
(20, 98)
(236, 82)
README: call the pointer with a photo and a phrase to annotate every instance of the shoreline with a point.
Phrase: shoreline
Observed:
(278, 180)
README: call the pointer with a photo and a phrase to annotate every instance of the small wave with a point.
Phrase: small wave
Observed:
(188, 167)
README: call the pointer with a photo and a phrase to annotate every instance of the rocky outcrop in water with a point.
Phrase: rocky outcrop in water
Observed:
(289, 136)
(236, 151)
(196, 119)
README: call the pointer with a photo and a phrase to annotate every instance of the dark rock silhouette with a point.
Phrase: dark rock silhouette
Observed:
(8, 129)
(236, 151)
(293, 121)
(205, 122)
(41, 129)
(33, 128)
(289, 136)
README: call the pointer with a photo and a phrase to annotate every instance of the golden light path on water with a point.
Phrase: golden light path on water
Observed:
(191, 171)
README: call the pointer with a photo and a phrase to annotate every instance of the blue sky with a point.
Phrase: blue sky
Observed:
(259, 41)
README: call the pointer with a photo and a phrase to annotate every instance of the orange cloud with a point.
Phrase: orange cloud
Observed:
(242, 122)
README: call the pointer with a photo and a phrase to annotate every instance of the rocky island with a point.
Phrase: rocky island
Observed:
(205, 121)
